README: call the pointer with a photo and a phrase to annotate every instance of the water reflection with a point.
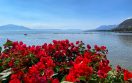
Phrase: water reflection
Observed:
(121, 51)
(126, 40)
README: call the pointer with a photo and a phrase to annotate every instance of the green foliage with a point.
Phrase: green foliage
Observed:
(0, 49)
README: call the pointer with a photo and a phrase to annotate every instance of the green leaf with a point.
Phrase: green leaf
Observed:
(0, 49)
(0, 61)
(1, 68)
(7, 60)
(57, 68)
(93, 50)
(30, 56)
(93, 81)
(63, 78)
(17, 62)
(8, 43)
(83, 78)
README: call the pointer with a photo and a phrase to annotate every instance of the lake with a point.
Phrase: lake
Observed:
(119, 44)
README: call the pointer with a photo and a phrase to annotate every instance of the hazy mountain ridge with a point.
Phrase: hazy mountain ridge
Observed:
(124, 26)
(106, 27)
(13, 27)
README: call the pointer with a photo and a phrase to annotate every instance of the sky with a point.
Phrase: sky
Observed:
(64, 14)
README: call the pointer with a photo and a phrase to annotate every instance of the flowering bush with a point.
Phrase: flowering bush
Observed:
(58, 62)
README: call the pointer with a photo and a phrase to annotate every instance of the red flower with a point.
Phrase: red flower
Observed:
(11, 63)
(127, 75)
(77, 42)
(21, 43)
(71, 78)
(102, 74)
(42, 64)
(13, 76)
(104, 68)
(55, 81)
(103, 47)
(80, 68)
(78, 59)
(49, 73)
(15, 81)
(54, 41)
(118, 68)
(88, 46)
(96, 47)
(33, 69)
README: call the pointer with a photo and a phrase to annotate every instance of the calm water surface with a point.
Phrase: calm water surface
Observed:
(118, 44)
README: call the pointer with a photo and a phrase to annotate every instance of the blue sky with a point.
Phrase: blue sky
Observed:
(64, 14)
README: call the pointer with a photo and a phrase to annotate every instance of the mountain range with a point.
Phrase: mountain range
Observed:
(13, 27)
(106, 27)
(126, 25)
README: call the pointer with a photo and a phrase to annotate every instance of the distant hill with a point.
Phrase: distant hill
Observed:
(106, 27)
(13, 27)
(124, 26)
